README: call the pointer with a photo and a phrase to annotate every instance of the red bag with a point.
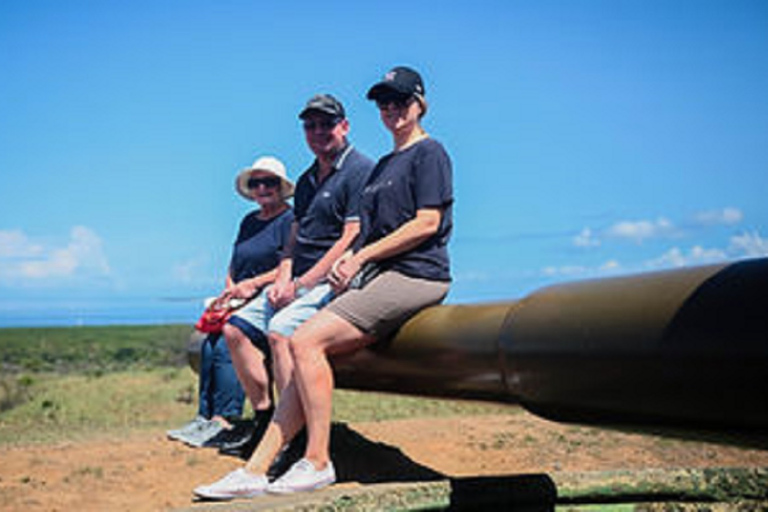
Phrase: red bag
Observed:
(214, 317)
(213, 320)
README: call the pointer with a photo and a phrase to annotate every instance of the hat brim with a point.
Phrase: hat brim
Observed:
(319, 110)
(241, 184)
(384, 88)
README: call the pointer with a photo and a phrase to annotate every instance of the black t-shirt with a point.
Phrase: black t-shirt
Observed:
(418, 177)
(259, 244)
(322, 209)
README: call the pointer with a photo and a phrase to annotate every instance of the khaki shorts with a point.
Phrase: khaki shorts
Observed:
(387, 302)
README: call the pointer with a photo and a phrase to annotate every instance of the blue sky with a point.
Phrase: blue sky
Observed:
(589, 138)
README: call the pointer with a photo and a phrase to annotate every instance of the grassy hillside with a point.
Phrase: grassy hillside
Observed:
(64, 383)
(92, 349)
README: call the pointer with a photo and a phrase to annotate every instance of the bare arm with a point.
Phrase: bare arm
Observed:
(247, 288)
(406, 237)
(321, 269)
(282, 292)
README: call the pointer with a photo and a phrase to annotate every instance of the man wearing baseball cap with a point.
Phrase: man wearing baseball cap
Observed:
(326, 223)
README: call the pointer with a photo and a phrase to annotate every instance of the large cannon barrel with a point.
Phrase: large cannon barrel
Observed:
(686, 346)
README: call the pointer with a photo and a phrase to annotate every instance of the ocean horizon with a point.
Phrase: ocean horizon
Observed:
(27, 311)
(98, 312)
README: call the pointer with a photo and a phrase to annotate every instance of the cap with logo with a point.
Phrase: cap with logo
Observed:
(401, 80)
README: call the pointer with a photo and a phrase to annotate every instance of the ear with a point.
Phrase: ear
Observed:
(344, 126)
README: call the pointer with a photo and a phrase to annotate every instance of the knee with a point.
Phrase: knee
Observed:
(278, 344)
(233, 335)
(302, 347)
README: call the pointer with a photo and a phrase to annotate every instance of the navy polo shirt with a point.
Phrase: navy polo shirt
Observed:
(322, 209)
(259, 244)
(403, 182)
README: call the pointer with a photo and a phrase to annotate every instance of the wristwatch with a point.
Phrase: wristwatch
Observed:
(299, 289)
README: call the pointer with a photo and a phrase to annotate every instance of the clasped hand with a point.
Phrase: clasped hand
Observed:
(343, 270)
(282, 293)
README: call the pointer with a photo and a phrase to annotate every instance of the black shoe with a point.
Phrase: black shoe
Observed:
(241, 430)
(245, 446)
(289, 455)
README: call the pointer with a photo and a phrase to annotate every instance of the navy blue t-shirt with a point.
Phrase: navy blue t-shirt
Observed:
(403, 182)
(259, 245)
(322, 209)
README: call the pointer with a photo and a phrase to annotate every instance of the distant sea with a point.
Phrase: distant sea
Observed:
(89, 312)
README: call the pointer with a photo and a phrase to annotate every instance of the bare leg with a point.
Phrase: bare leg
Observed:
(286, 422)
(322, 335)
(282, 360)
(249, 366)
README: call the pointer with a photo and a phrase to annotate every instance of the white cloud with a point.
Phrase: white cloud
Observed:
(24, 261)
(15, 244)
(609, 267)
(637, 231)
(696, 255)
(586, 239)
(749, 245)
(723, 217)
(196, 272)
(188, 272)
(565, 270)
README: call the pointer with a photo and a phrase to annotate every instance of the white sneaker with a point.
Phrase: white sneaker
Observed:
(201, 433)
(237, 484)
(303, 477)
(189, 427)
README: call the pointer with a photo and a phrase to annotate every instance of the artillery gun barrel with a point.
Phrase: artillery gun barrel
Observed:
(686, 346)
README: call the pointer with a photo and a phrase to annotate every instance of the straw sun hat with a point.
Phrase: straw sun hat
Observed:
(269, 165)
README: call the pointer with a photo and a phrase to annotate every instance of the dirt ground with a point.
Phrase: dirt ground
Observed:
(145, 471)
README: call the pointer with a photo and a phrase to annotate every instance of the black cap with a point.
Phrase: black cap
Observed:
(324, 103)
(400, 80)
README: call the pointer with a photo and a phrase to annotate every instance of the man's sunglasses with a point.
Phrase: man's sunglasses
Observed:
(323, 124)
(270, 182)
(399, 101)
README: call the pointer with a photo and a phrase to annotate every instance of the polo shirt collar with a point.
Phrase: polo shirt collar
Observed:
(337, 163)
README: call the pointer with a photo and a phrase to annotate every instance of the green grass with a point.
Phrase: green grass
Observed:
(63, 407)
(92, 349)
(70, 406)
(69, 383)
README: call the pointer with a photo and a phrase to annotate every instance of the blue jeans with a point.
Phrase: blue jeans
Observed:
(220, 392)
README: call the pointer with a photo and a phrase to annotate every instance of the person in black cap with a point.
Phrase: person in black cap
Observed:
(327, 221)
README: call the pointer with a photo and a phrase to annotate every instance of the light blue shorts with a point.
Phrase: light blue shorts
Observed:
(259, 314)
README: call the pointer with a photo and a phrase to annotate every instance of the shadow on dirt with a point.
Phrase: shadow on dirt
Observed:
(358, 459)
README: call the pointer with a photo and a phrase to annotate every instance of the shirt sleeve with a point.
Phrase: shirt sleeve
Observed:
(300, 198)
(433, 181)
(285, 230)
(284, 234)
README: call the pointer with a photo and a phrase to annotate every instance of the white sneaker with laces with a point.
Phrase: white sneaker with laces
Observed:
(302, 477)
(237, 484)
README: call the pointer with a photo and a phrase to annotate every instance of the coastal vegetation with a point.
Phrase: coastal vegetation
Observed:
(74, 382)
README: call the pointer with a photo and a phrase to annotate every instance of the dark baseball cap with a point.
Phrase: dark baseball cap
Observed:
(400, 80)
(324, 103)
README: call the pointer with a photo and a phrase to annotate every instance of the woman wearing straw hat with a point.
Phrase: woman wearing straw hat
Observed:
(253, 265)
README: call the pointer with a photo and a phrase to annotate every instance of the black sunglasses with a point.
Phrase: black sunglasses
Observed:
(270, 182)
(323, 124)
(398, 100)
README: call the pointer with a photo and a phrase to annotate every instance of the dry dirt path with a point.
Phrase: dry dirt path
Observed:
(144, 471)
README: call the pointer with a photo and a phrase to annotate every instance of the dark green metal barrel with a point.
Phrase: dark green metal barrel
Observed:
(685, 347)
